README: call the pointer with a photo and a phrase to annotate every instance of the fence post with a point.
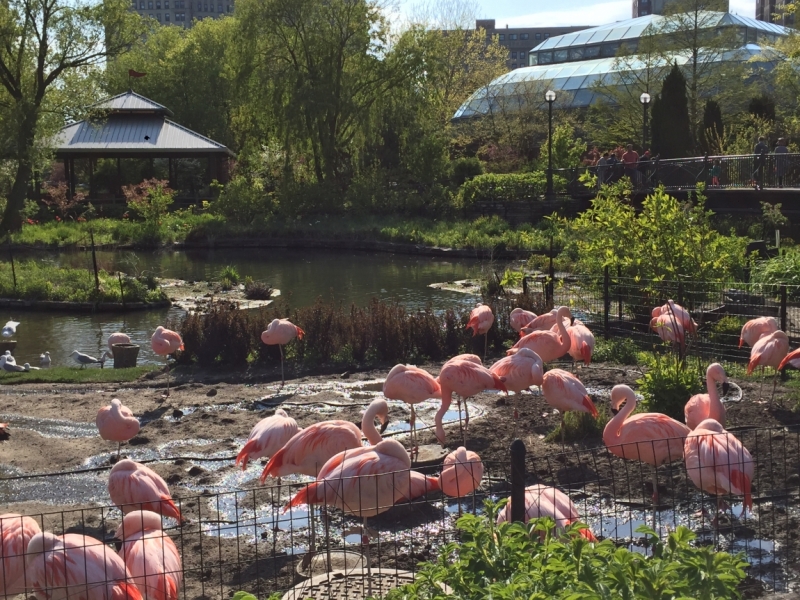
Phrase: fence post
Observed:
(94, 262)
(525, 285)
(783, 308)
(680, 292)
(517, 481)
(619, 293)
(606, 303)
(552, 276)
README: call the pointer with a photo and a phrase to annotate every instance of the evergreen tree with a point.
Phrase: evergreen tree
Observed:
(712, 126)
(672, 137)
(762, 106)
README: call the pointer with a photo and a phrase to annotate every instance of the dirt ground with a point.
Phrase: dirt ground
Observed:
(219, 564)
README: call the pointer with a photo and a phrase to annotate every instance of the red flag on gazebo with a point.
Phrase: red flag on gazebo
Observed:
(132, 73)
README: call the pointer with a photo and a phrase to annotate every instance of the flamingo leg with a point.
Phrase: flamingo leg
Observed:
(283, 380)
(655, 495)
(485, 345)
(774, 385)
(166, 359)
(312, 538)
(466, 418)
(761, 389)
(563, 431)
(460, 423)
(119, 449)
(369, 559)
(414, 440)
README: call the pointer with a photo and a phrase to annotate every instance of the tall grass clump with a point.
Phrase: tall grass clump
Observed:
(669, 382)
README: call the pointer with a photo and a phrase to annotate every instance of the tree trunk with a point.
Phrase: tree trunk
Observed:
(12, 220)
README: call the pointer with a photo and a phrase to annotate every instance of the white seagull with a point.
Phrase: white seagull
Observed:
(10, 329)
(84, 359)
(28, 367)
(9, 366)
(45, 360)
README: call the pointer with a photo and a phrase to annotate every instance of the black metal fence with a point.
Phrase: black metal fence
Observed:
(246, 540)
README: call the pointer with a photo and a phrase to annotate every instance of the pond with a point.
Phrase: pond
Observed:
(301, 275)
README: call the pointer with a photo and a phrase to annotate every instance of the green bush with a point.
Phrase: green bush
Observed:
(530, 562)
(669, 382)
(727, 330)
(230, 273)
(243, 200)
(464, 169)
(151, 199)
(784, 269)
(622, 351)
(495, 187)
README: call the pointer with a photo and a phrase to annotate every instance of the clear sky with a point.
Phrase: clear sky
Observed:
(540, 13)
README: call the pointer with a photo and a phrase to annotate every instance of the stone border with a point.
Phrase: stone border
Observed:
(55, 305)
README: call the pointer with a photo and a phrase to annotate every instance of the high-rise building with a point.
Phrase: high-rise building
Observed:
(774, 11)
(642, 8)
(519, 40)
(182, 12)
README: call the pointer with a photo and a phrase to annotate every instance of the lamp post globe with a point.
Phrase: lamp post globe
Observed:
(550, 97)
(645, 100)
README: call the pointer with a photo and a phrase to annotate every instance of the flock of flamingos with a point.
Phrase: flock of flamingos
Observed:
(365, 480)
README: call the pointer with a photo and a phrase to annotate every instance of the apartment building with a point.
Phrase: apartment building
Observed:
(520, 40)
(182, 12)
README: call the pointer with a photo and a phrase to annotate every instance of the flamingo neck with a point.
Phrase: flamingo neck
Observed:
(713, 395)
(447, 399)
(619, 419)
(562, 331)
(368, 425)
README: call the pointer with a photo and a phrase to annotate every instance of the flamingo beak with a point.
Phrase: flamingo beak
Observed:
(614, 411)
(384, 424)
(725, 388)
(116, 541)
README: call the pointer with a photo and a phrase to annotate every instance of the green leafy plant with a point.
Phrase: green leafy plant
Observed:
(510, 187)
(623, 351)
(726, 331)
(580, 426)
(669, 382)
(535, 562)
(150, 199)
(230, 273)
(784, 269)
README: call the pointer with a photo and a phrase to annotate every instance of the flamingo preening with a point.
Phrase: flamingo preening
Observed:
(116, 423)
(519, 372)
(16, 532)
(480, 321)
(549, 345)
(268, 436)
(565, 392)
(708, 406)
(281, 332)
(412, 385)
(133, 486)
(519, 318)
(165, 342)
(769, 351)
(755, 329)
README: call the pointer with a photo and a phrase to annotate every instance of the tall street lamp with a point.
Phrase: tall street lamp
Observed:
(645, 100)
(550, 97)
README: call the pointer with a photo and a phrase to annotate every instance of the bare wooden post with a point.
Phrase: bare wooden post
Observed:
(783, 308)
(517, 481)
(94, 262)
(13, 270)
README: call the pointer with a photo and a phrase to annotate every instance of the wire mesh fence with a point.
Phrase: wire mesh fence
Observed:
(249, 539)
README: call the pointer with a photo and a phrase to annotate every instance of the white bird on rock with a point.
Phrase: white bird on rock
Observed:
(84, 359)
(10, 329)
(45, 360)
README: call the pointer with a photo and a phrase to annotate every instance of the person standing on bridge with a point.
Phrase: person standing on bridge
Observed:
(630, 158)
(760, 151)
(781, 161)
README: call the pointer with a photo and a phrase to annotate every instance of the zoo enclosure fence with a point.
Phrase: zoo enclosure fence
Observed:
(242, 539)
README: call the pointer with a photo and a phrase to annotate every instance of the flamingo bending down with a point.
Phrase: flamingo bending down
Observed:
(651, 438)
(411, 385)
(708, 406)
(268, 436)
(150, 556)
(678, 313)
(543, 322)
(669, 330)
(519, 372)
(480, 321)
(563, 391)
(755, 329)
(581, 342)
(77, 567)
(466, 378)
(519, 318)
(118, 338)
(769, 351)
(549, 345)
(310, 448)
(281, 332)
(16, 532)
(790, 360)
(462, 473)
(165, 342)
(133, 486)
(543, 501)
(718, 463)
(116, 423)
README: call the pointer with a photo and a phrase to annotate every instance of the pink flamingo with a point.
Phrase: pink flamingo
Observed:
(462, 473)
(755, 329)
(519, 372)
(480, 321)
(466, 378)
(581, 342)
(310, 448)
(78, 567)
(790, 360)
(133, 486)
(150, 556)
(118, 338)
(669, 330)
(718, 463)
(769, 351)
(16, 532)
(411, 385)
(268, 436)
(281, 332)
(116, 423)
(519, 318)
(543, 501)
(676, 311)
(165, 342)
(563, 391)
(549, 345)
(651, 438)
(708, 406)
(543, 322)
(4, 433)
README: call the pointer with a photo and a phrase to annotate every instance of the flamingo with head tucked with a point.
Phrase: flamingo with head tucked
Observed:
(669, 330)
(543, 501)
(281, 332)
(462, 473)
(480, 321)
(133, 486)
(519, 372)
(755, 329)
(16, 532)
(708, 406)
(549, 345)
(412, 385)
(118, 338)
(519, 318)
(165, 342)
(268, 436)
(678, 313)
(565, 392)
(116, 423)
(543, 322)
(769, 351)
(581, 343)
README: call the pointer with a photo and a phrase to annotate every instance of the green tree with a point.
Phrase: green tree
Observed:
(48, 47)
(672, 136)
(713, 128)
(762, 106)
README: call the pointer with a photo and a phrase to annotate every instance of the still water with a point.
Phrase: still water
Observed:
(301, 275)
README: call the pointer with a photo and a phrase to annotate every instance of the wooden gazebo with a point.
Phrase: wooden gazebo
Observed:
(131, 126)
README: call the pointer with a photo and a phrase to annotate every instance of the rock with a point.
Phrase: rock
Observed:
(345, 375)
(195, 471)
(177, 413)
(212, 392)
(139, 440)
(173, 479)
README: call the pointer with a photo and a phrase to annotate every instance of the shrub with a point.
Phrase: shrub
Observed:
(622, 351)
(726, 331)
(464, 169)
(58, 201)
(244, 200)
(784, 269)
(511, 187)
(512, 560)
(669, 383)
(150, 199)
(257, 290)
(580, 426)
(230, 273)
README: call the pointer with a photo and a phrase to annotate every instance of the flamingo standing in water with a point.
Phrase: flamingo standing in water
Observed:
(150, 556)
(519, 372)
(651, 438)
(480, 321)
(462, 473)
(281, 332)
(549, 345)
(718, 463)
(769, 351)
(268, 436)
(519, 318)
(755, 329)
(581, 343)
(563, 391)
(543, 501)
(708, 406)
(411, 385)
(165, 342)
(466, 378)
(16, 533)
(77, 566)
(133, 486)
(310, 448)
(116, 423)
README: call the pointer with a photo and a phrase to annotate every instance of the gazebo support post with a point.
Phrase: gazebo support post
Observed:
(91, 178)
(118, 193)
